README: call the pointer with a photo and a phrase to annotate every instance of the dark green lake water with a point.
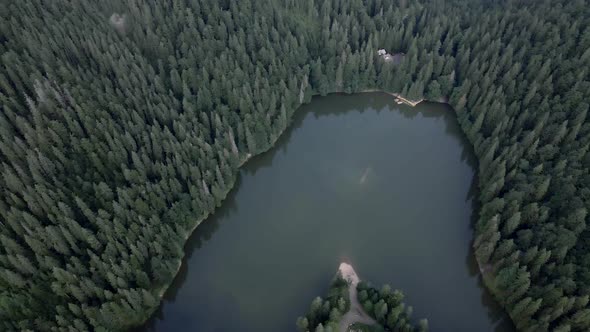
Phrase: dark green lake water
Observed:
(356, 178)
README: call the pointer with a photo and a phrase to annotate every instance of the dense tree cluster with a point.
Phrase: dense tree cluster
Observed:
(324, 315)
(387, 307)
(119, 133)
(123, 123)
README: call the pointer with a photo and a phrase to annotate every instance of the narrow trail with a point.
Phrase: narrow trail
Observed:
(356, 313)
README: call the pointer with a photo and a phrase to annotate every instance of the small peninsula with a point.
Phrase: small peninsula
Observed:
(353, 305)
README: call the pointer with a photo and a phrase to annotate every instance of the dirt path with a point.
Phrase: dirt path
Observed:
(356, 313)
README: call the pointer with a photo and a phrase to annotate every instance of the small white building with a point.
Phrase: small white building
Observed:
(395, 58)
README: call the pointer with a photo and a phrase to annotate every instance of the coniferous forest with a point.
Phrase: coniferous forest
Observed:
(386, 306)
(123, 124)
(324, 315)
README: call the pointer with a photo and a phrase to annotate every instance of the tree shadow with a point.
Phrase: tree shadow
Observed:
(334, 105)
(202, 234)
(495, 312)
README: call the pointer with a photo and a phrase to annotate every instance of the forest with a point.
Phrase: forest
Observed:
(385, 306)
(123, 125)
(324, 315)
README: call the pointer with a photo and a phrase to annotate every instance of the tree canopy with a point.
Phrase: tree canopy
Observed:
(123, 124)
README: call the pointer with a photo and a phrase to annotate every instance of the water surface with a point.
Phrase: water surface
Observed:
(386, 187)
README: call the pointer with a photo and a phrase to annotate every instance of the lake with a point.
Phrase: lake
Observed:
(357, 178)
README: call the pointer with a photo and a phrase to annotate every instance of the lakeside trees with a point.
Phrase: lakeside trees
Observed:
(123, 125)
(386, 306)
(324, 315)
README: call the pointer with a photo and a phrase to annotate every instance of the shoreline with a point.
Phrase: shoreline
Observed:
(160, 294)
(402, 99)
(164, 288)
(162, 291)
(398, 97)
(356, 313)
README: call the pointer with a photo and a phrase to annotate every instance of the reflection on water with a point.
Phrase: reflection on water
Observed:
(365, 175)
(390, 189)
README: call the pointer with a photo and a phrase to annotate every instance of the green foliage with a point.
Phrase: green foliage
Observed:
(358, 327)
(122, 126)
(324, 315)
